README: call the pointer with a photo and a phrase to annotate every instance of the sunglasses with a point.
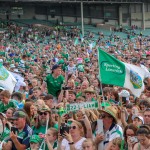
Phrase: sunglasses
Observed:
(104, 116)
(41, 113)
(73, 127)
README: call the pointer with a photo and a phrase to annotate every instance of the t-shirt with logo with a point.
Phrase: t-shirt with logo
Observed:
(23, 137)
(54, 84)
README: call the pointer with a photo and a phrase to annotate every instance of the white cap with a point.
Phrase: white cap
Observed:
(124, 93)
(136, 116)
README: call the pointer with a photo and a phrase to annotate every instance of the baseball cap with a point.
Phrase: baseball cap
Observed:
(55, 67)
(35, 139)
(18, 114)
(136, 116)
(124, 93)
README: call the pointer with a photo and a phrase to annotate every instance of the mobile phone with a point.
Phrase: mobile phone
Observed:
(133, 139)
(14, 130)
(105, 98)
(124, 100)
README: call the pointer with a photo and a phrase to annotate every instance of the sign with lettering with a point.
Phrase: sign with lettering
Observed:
(86, 105)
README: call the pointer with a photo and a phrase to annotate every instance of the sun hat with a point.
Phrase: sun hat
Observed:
(89, 90)
(18, 114)
(35, 139)
(44, 108)
(111, 110)
(136, 116)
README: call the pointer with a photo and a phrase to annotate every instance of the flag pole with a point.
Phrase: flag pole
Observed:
(101, 88)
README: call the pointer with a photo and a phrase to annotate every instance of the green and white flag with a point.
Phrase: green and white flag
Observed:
(114, 72)
(7, 81)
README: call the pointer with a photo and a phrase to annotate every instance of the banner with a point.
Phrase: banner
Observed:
(115, 72)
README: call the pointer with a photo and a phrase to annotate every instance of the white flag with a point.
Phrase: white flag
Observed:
(7, 81)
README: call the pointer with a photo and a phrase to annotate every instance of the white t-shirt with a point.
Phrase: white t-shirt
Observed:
(78, 145)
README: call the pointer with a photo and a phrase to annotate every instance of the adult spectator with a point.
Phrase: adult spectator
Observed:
(147, 116)
(143, 135)
(20, 139)
(44, 115)
(6, 102)
(111, 129)
(129, 132)
(73, 139)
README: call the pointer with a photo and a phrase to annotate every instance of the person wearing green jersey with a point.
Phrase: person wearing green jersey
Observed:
(6, 102)
(44, 114)
(54, 82)
(34, 142)
(20, 136)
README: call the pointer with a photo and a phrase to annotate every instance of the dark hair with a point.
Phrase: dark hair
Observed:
(147, 109)
(17, 94)
(145, 103)
(47, 97)
(115, 93)
(144, 130)
(132, 127)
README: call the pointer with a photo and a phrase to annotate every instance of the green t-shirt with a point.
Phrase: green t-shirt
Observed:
(17, 60)
(2, 53)
(54, 146)
(54, 84)
(4, 108)
(42, 129)
(4, 134)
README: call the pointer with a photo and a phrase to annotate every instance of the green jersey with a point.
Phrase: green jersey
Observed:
(42, 129)
(54, 146)
(54, 84)
(4, 134)
(5, 107)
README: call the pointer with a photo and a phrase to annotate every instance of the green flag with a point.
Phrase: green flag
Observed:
(114, 72)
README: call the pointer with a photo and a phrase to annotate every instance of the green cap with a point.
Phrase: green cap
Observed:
(35, 139)
(87, 60)
(61, 61)
(18, 114)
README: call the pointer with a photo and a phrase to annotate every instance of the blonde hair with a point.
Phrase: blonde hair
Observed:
(79, 124)
(117, 141)
(87, 141)
(54, 132)
(91, 115)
